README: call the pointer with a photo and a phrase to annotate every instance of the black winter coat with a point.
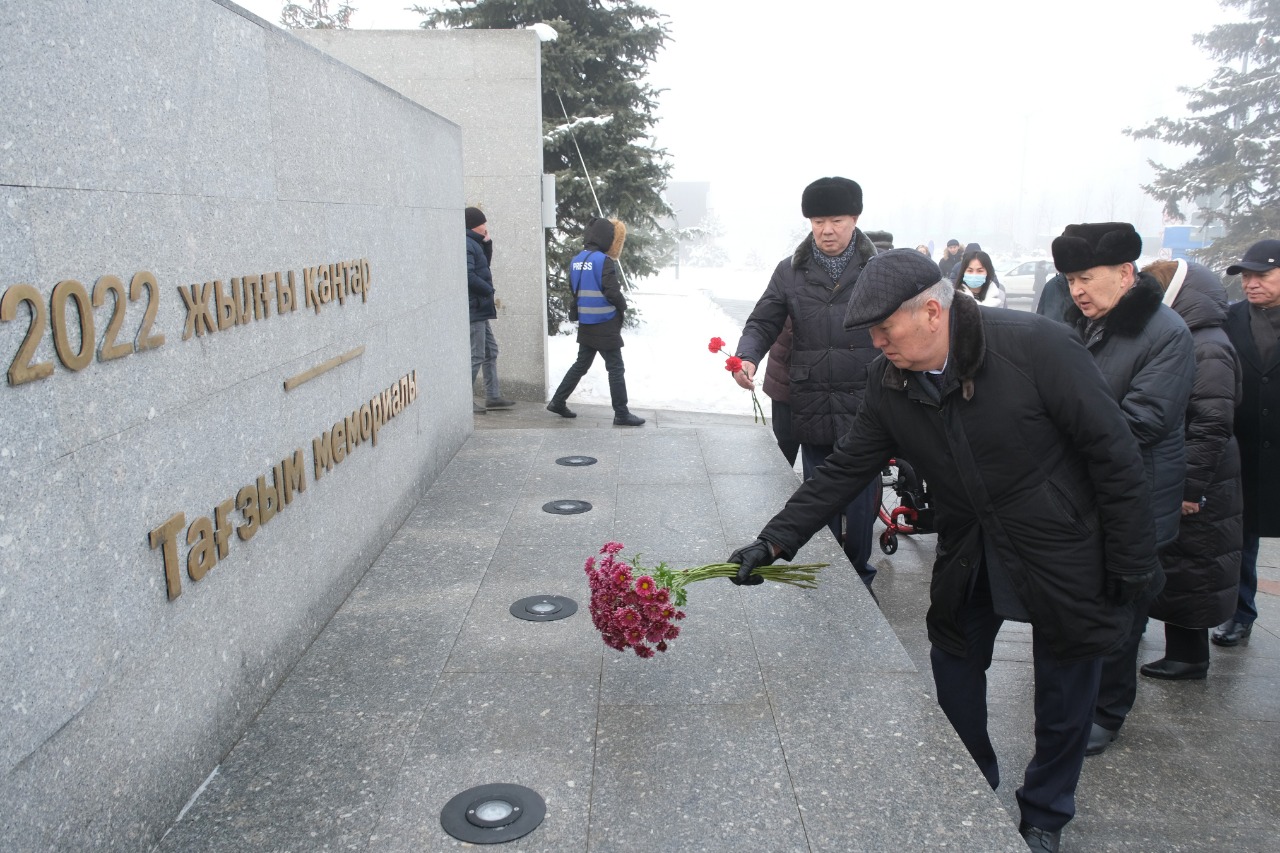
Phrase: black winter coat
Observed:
(480, 278)
(1146, 355)
(1029, 461)
(828, 370)
(1202, 568)
(1257, 427)
(602, 236)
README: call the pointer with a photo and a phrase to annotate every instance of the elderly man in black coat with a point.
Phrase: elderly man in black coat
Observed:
(1042, 507)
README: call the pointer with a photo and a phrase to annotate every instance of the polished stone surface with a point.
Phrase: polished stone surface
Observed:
(780, 719)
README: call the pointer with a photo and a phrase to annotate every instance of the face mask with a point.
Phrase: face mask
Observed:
(974, 279)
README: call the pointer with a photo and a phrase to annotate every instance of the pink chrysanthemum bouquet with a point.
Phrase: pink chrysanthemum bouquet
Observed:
(640, 611)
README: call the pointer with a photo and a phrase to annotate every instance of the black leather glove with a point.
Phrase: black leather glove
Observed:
(1127, 588)
(750, 557)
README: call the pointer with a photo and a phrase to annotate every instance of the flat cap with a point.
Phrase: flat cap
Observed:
(1096, 244)
(1262, 256)
(888, 280)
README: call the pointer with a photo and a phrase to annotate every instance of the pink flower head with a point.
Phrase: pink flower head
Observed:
(733, 364)
(672, 632)
(626, 616)
(646, 587)
(644, 651)
(611, 548)
(662, 647)
(634, 636)
(716, 344)
(621, 576)
(591, 564)
(656, 633)
(663, 595)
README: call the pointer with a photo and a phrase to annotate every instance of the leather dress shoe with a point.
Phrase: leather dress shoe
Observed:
(1040, 840)
(498, 403)
(1175, 670)
(1099, 740)
(561, 409)
(1231, 633)
(627, 419)
(477, 409)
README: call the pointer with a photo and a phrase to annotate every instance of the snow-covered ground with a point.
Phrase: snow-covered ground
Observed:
(668, 363)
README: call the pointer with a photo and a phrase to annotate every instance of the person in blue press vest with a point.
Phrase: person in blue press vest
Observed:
(598, 306)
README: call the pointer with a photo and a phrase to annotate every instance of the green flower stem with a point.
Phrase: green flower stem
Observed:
(805, 576)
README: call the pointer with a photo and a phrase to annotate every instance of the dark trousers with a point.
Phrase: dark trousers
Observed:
(1246, 605)
(1064, 700)
(782, 432)
(1119, 686)
(1186, 645)
(853, 526)
(577, 370)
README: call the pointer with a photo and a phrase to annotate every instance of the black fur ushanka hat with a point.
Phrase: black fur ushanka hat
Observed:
(1096, 244)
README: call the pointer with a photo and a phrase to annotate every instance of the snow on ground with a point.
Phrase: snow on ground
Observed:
(668, 363)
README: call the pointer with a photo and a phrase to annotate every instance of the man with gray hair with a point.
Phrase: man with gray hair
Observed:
(1042, 507)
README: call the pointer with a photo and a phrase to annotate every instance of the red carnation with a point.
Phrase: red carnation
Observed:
(716, 344)
(733, 364)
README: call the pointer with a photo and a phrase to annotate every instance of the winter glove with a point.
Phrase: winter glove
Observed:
(750, 557)
(1124, 589)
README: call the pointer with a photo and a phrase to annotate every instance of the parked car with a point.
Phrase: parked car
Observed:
(1022, 283)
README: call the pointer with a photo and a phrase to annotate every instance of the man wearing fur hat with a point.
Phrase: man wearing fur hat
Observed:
(1041, 505)
(828, 369)
(1147, 357)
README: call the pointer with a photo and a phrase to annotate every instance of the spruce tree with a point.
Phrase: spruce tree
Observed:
(596, 67)
(315, 15)
(1235, 127)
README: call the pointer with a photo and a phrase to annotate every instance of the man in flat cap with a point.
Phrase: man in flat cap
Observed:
(827, 374)
(1254, 327)
(1041, 506)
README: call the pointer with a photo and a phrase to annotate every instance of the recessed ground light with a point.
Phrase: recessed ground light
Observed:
(576, 461)
(566, 507)
(492, 814)
(544, 608)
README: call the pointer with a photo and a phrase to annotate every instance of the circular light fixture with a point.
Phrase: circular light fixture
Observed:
(576, 461)
(566, 507)
(544, 608)
(492, 814)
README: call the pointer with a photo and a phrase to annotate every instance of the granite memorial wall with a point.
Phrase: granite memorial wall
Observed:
(236, 355)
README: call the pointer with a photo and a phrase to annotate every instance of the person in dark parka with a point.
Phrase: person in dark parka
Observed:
(482, 306)
(599, 307)
(828, 363)
(1147, 358)
(1044, 520)
(1254, 327)
(1202, 567)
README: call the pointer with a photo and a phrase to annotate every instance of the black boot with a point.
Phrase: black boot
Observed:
(625, 418)
(561, 409)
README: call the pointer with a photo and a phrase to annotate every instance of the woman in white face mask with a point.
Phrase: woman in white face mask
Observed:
(978, 278)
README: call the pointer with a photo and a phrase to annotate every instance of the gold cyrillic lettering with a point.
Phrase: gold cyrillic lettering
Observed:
(352, 430)
(338, 441)
(164, 537)
(321, 457)
(199, 318)
(366, 422)
(227, 308)
(295, 475)
(256, 290)
(364, 279)
(222, 527)
(309, 288)
(324, 284)
(269, 496)
(247, 503)
(286, 294)
(413, 386)
(201, 557)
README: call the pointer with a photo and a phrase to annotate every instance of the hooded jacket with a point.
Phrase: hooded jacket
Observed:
(608, 236)
(1202, 567)
(1055, 495)
(1145, 352)
(479, 278)
(827, 375)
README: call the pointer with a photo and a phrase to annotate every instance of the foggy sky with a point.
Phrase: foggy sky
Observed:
(995, 120)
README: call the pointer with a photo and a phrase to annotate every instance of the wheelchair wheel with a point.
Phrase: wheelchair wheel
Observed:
(888, 542)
